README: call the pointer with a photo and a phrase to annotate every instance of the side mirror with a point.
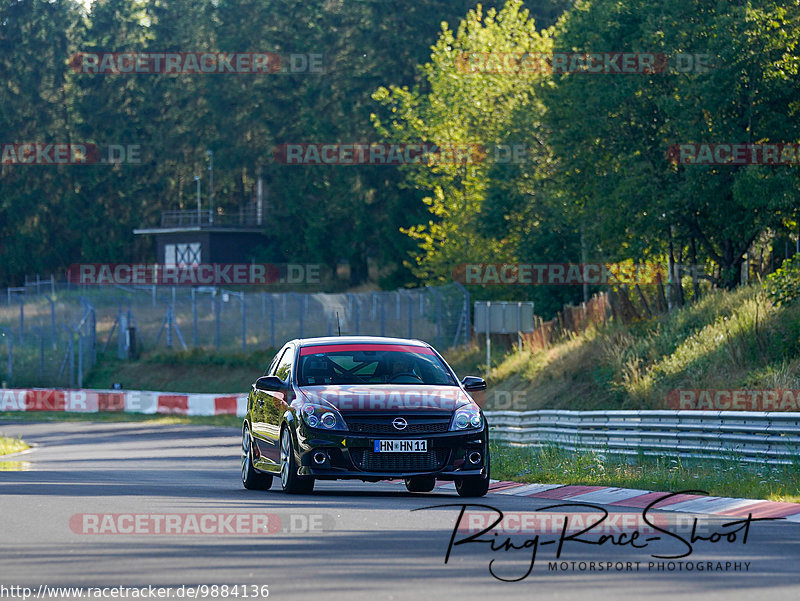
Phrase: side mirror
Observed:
(473, 383)
(269, 383)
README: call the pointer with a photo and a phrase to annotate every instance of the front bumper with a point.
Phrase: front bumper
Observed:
(350, 456)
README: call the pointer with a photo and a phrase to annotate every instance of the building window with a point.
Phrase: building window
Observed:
(182, 254)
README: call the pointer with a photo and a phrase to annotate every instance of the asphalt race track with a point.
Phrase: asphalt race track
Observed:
(348, 540)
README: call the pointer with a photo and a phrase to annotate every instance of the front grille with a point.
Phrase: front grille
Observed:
(370, 461)
(383, 425)
(390, 429)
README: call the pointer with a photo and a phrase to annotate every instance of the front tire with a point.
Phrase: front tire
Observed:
(291, 482)
(252, 479)
(474, 486)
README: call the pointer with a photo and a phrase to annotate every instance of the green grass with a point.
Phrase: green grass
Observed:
(471, 360)
(725, 478)
(185, 371)
(11, 445)
(726, 340)
(66, 416)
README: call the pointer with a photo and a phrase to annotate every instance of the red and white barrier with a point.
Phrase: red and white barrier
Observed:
(123, 401)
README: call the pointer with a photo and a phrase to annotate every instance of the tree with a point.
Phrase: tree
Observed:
(612, 132)
(475, 111)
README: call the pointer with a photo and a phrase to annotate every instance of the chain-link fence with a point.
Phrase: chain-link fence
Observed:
(51, 333)
(54, 343)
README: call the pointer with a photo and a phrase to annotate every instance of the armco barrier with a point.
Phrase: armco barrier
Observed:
(127, 401)
(763, 437)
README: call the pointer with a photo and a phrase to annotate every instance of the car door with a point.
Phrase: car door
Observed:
(267, 410)
(277, 401)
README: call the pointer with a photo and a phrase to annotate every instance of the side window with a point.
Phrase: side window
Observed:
(285, 365)
(271, 369)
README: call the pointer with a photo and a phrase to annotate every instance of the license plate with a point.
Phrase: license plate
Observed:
(400, 446)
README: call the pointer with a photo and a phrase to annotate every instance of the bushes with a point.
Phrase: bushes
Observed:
(783, 285)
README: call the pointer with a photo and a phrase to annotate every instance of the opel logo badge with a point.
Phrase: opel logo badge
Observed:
(399, 423)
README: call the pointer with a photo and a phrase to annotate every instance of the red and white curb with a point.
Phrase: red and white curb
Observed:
(630, 497)
(121, 401)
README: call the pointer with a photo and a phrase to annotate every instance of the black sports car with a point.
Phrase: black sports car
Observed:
(364, 408)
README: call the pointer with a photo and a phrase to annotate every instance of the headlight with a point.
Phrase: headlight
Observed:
(467, 417)
(321, 417)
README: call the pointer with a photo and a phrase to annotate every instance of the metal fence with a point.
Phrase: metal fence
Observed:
(771, 437)
(51, 332)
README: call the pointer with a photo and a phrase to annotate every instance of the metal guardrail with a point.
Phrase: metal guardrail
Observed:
(249, 217)
(755, 437)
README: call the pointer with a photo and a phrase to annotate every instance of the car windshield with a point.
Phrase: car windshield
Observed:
(371, 364)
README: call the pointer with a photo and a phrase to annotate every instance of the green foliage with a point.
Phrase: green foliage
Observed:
(783, 285)
(52, 217)
(462, 109)
(612, 133)
(727, 340)
(198, 357)
(597, 185)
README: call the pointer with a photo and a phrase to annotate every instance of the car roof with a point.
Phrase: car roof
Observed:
(332, 340)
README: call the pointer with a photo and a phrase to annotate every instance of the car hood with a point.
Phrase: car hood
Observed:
(387, 397)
